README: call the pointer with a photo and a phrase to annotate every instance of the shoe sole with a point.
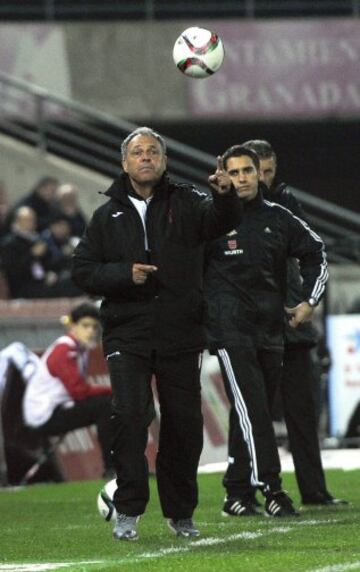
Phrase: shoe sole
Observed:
(295, 514)
(325, 504)
(223, 513)
(126, 538)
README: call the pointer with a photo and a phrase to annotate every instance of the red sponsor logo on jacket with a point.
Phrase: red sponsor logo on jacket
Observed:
(232, 244)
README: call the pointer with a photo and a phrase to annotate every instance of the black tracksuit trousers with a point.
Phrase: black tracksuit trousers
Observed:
(298, 398)
(93, 410)
(250, 379)
(181, 431)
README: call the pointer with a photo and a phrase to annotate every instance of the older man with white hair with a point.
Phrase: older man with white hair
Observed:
(142, 252)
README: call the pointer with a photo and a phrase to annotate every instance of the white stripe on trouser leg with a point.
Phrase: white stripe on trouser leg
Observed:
(244, 420)
(240, 406)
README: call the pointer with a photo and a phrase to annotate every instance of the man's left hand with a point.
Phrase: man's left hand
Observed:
(301, 313)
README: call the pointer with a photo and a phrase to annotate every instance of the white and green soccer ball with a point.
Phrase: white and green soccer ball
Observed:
(105, 503)
(198, 52)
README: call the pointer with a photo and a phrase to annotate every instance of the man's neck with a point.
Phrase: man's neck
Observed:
(144, 191)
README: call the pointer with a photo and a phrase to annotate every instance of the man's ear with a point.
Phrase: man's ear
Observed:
(123, 165)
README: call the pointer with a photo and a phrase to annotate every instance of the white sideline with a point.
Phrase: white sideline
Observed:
(339, 567)
(211, 541)
(44, 566)
(346, 459)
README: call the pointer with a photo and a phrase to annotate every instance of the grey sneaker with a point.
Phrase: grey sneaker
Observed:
(125, 527)
(183, 527)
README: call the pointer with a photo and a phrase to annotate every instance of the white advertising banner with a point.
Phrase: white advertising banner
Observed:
(344, 377)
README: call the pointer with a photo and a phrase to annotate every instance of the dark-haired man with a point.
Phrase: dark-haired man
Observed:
(58, 398)
(245, 288)
(142, 252)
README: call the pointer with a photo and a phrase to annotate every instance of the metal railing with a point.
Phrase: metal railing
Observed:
(76, 131)
(161, 9)
(92, 138)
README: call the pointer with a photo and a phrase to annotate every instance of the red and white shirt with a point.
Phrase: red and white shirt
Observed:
(60, 379)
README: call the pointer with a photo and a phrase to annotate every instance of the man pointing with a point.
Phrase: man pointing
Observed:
(142, 252)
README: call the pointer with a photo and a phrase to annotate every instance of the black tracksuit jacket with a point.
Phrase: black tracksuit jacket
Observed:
(166, 313)
(246, 273)
(305, 335)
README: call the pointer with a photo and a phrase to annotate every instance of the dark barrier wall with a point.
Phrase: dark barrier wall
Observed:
(321, 158)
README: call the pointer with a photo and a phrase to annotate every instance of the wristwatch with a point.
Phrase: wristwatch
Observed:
(312, 302)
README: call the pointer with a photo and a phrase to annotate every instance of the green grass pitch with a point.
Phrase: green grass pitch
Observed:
(57, 527)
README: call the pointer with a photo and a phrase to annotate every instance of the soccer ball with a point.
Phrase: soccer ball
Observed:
(105, 504)
(198, 52)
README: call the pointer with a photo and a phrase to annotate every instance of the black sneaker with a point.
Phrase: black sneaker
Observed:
(239, 507)
(321, 498)
(279, 504)
(183, 527)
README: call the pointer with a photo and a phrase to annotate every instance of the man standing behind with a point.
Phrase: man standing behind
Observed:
(245, 288)
(143, 253)
(299, 376)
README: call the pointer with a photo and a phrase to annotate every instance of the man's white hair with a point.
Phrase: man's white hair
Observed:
(141, 131)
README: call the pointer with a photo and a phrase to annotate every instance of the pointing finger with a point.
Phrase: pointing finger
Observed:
(220, 163)
(147, 268)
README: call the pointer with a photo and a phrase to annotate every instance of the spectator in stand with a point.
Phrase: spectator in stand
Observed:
(58, 397)
(23, 256)
(60, 245)
(26, 262)
(67, 203)
(41, 199)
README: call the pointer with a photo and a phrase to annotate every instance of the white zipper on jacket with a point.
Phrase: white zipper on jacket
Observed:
(141, 206)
